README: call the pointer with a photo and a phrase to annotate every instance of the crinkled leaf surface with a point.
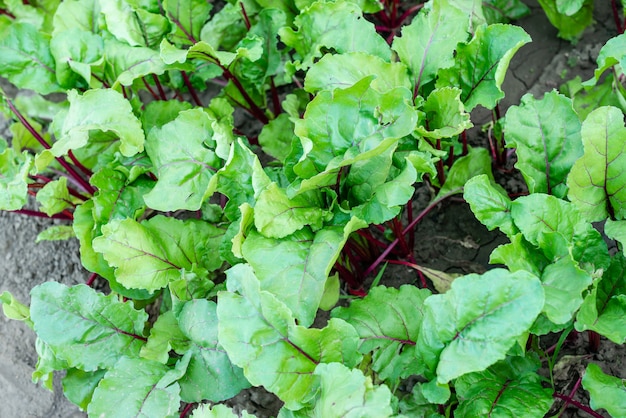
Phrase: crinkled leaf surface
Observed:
(597, 180)
(606, 391)
(136, 388)
(344, 70)
(165, 335)
(509, 388)
(75, 52)
(339, 26)
(86, 329)
(388, 322)
(547, 139)
(445, 114)
(182, 152)
(210, 374)
(481, 64)
(187, 17)
(26, 59)
(125, 63)
(295, 268)
(14, 170)
(428, 43)
(489, 203)
(612, 53)
(150, 254)
(519, 254)
(477, 321)
(604, 308)
(54, 197)
(260, 335)
(103, 110)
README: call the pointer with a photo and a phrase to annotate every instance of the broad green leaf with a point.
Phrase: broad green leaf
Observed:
(165, 335)
(356, 124)
(563, 284)
(344, 70)
(159, 113)
(54, 197)
(597, 179)
(489, 203)
(547, 139)
(445, 114)
(346, 393)
(26, 59)
(520, 255)
(78, 386)
(151, 254)
(78, 14)
(476, 162)
(277, 216)
(569, 7)
(476, 322)
(587, 98)
(125, 63)
(611, 54)
(210, 374)
(503, 11)
(86, 229)
(296, 268)
(187, 17)
(388, 322)
(481, 64)
(338, 26)
(102, 110)
(260, 335)
(86, 329)
(218, 411)
(616, 230)
(509, 388)
(428, 43)
(122, 21)
(47, 364)
(14, 309)
(26, 13)
(75, 52)
(136, 387)
(473, 9)
(14, 170)
(606, 391)
(604, 308)
(227, 27)
(570, 27)
(185, 163)
(277, 136)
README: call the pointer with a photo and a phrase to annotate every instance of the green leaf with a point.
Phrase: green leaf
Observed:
(78, 14)
(508, 388)
(78, 386)
(338, 26)
(546, 136)
(136, 387)
(165, 335)
(569, 7)
(26, 59)
(489, 203)
(125, 63)
(445, 114)
(296, 268)
(481, 64)
(102, 110)
(476, 162)
(150, 254)
(123, 22)
(14, 309)
(616, 230)
(210, 374)
(503, 11)
(54, 197)
(388, 322)
(159, 113)
(604, 307)
(344, 70)
(14, 169)
(86, 229)
(346, 393)
(597, 179)
(428, 43)
(520, 255)
(570, 27)
(86, 329)
(611, 54)
(563, 284)
(476, 322)
(606, 391)
(260, 335)
(75, 52)
(227, 27)
(277, 136)
(218, 411)
(185, 164)
(188, 17)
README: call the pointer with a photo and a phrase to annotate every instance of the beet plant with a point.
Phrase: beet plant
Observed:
(230, 172)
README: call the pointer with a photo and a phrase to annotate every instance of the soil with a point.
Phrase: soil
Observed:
(449, 239)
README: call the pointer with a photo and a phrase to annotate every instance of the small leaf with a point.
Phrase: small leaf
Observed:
(54, 197)
(475, 163)
(14, 309)
(606, 391)
(14, 169)
(136, 387)
(86, 329)
(339, 26)
(75, 52)
(477, 321)
(570, 27)
(503, 11)
(563, 284)
(611, 54)
(489, 203)
(547, 139)
(276, 137)
(78, 386)
(445, 114)
(102, 110)
(56, 233)
(481, 64)
(388, 322)
(597, 179)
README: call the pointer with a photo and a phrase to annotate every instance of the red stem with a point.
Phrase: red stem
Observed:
(245, 16)
(464, 142)
(159, 86)
(618, 24)
(7, 13)
(186, 410)
(409, 12)
(192, 91)
(92, 278)
(78, 164)
(578, 405)
(152, 92)
(275, 99)
(38, 214)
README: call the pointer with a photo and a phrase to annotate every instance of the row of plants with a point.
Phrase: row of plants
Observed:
(234, 170)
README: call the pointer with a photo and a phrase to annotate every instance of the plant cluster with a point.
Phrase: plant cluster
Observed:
(233, 171)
